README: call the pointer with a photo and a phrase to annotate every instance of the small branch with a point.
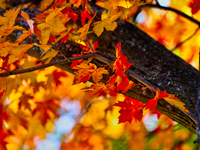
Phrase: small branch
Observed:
(89, 44)
(4, 69)
(6, 74)
(174, 10)
(185, 40)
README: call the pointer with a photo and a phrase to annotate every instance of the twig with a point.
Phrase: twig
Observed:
(58, 50)
(8, 73)
(18, 66)
(89, 44)
(174, 10)
(185, 40)
(5, 69)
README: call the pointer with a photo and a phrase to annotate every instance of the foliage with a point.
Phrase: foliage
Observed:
(31, 103)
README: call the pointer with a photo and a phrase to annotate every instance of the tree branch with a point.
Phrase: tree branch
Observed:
(62, 61)
(174, 10)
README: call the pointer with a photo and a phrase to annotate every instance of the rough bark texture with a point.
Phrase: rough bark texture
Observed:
(152, 64)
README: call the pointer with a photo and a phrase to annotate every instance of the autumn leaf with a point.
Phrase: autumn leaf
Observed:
(175, 101)
(107, 21)
(87, 48)
(126, 12)
(86, 71)
(13, 51)
(49, 55)
(84, 30)
(124, 84)
(75, 63)
(130, 108)
(44, 109)
(8, 20)
(85, 15)
(33, 28)
(52, 25)
(24, 101)
(152, 103)
(194, 5)
(120, 65)
(95, 90)
(1, 94)
(57, 75)
(68, 11)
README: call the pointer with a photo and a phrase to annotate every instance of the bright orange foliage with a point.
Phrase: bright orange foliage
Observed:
(32, 103)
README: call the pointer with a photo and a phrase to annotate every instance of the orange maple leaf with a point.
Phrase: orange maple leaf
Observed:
(44, 109)
(86, 71)
(107, 21)
(175, 101)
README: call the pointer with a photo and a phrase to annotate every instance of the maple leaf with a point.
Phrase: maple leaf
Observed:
(75, 63)
(57, 75)
(120, 65)
(44, 109)
(124, 84)
(13, 51)
(195, 6)
(175, 101)
(87, 48)
(49, 55)
(86, 71)
(52, 25)
(24, 101)
(8, 20)
(107, 21)
(95, 90)
(130, 108)
(127, 11)
(33, 28)
(85, 15)
(70, 13)
(152, 103)
(84, 30)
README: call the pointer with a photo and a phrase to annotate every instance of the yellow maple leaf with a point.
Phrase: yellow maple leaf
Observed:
(17, 52)
(49, 55)
(107, 21)
(52, 25)
(175, 101)
(9, 18)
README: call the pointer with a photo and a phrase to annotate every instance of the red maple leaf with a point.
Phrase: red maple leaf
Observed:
(194, 5)
(46, 108)
(130, 108)
(152, 103)
(71, 13)
(85, 14)
(121, 63)
(57, 75)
